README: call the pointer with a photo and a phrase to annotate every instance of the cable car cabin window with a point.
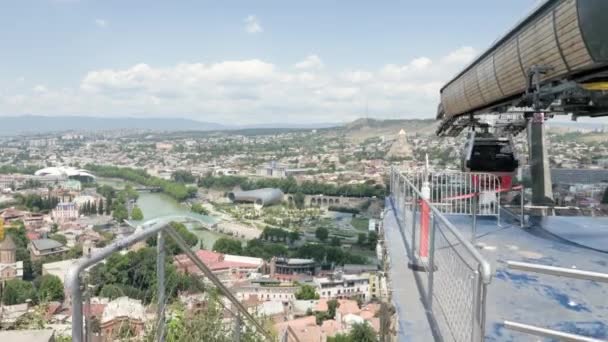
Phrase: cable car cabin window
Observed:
(492, 156)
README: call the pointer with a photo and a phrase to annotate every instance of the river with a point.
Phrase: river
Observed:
(156, 204)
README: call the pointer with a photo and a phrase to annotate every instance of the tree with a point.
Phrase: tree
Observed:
(111, 291)
(363, 332)
(307, 292)
(372, 239)
(322, 233)
(332, 305)
(199, 209)
(170, 245)
(54, 228)
(108, 205)
(298, 200)
(335, 241)
(136, 214)
(360, 332)
(294, 236)
(100, 210)
(17, 291)
(361, 239)
(50, 288)
(228, 246)
(120, 212)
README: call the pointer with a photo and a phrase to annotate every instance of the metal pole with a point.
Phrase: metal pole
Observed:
(414, 210)
(237, 328)
(431, 269)
(88, 312)
(521, 203)
(160, 284)
(216, 281)
(474, 212)
(548, 333)
(482, 308)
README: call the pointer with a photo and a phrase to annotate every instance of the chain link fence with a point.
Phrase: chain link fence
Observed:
(456, 278)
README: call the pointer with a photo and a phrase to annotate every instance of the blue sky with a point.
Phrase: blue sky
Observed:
(245, 61)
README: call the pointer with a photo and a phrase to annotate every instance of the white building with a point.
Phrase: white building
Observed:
(65, 211)
(343, 286)
(58, 268)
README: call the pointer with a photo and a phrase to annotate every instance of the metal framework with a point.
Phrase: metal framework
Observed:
(159, 227)
(455, 287)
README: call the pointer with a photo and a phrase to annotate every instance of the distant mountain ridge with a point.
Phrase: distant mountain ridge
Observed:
(46, 124)
(27, 124)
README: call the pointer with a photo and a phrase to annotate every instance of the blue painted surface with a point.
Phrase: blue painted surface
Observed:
(569, 305)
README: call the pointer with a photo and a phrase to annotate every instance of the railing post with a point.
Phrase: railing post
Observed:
(431, 269)
(160, 280)
(521, 203)
(414, 214)
(475, 204)
(236, 337)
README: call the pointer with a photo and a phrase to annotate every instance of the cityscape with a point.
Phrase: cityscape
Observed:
(356, 197)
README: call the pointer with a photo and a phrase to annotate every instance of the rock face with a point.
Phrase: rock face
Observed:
(400, 148)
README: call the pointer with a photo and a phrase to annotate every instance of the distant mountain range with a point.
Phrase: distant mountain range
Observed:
(12, 125)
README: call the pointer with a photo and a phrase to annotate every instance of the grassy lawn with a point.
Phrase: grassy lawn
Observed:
(360, 223)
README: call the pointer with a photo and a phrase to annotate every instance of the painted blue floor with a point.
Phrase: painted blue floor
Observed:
(574, 306)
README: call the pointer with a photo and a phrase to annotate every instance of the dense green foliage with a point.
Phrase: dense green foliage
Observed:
(182, 176)
(37, 203)
(228, 246)
(50, 288)
(360, 332)
(19, 236)
(136, 214)
(134, 274)
(321, 253)
(322, 233)
(28, 170)
(17, 291)
(289, 185)
(170, 246)
(174, 189)
(307, 292)
(199, 209)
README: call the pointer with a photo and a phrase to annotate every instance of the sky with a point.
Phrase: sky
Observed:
(241, 62)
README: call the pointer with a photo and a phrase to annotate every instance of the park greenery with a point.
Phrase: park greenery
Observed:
(289, 185)
(37, 203)
(177, 190)
(324, 254)
(199, 209)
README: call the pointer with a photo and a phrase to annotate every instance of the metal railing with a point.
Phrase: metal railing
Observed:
(461, 193)
(160, 228)
(455, 286)
(558, 272)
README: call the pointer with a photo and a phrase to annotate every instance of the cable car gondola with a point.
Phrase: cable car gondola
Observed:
(489, 154)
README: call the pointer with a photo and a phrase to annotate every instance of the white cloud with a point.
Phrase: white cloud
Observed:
(101, 23)
(252, 25)
(250, 91)
(310, 62)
